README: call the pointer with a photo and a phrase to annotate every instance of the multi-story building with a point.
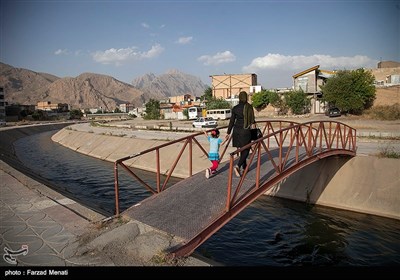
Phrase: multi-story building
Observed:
(228, 86)
(126, 107)
(310, 81)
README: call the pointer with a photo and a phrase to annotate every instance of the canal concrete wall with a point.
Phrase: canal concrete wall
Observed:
(366, 184)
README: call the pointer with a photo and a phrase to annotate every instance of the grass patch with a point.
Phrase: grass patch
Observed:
(162, 259)
(389, 152)
(384, 112)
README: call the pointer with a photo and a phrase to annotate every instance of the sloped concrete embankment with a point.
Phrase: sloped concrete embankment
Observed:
(366, 184)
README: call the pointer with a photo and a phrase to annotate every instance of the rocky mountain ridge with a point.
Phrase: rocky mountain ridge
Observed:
(170, 83)
(91, 90)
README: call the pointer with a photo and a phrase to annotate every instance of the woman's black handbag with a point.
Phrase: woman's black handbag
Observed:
(256, 133)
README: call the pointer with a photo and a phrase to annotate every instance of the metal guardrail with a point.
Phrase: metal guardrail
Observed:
(188, 142)
(306, 143)
(319, 139)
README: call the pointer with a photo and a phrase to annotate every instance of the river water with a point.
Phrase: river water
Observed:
(269, 232)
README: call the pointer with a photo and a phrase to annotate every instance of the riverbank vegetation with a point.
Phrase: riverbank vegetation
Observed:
(389, 152)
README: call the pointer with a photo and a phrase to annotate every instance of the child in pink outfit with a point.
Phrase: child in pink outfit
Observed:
(213, 154)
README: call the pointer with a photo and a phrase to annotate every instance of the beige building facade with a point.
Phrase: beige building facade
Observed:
(311, 79)
(182, 99)
(228, 86)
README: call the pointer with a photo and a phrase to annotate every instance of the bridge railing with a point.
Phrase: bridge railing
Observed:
(189, 142)
(305, 143)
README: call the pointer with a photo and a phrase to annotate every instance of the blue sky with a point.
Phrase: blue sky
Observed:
(127, 39)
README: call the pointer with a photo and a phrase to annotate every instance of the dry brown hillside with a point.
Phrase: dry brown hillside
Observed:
(93, 91)
(387, 96)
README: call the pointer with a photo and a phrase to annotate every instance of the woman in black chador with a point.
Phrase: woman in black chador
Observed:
(241, 120)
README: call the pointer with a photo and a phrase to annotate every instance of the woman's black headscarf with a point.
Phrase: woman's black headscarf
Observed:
(248, 112)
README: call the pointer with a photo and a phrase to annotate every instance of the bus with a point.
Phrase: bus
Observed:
(219, 114)
(194, 112)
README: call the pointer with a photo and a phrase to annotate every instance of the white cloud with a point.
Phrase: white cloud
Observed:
(221, 57)
(118, 56)
(60, 52)
(184, 40)
(155, 51)
(163, 25)
(145, 25)
(301, 62)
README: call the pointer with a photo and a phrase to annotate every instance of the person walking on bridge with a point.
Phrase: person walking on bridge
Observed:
(241, 121)
(213, 154)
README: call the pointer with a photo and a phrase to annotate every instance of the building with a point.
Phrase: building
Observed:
(388, 64)
(228, 86)
(2, 107)
(309, 81)
(55, 107)
(126, 107)
(182, 99)
(387, 74)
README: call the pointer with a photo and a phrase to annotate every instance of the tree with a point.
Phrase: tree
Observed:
(261, 99)
(75, 114)
(350, 91)
(23, 114)
(185, 112)
(117, 110)
(218, 103)
(275, 99)
(298, 102)
(207, 94)
(39, 115)
(152, 110)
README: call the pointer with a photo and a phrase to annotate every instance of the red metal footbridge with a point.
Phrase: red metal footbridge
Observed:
(195, 208)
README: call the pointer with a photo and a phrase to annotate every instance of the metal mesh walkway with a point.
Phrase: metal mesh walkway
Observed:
(189, 206)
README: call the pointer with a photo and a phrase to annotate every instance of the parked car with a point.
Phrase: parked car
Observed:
(333, 112)
(205, 122)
